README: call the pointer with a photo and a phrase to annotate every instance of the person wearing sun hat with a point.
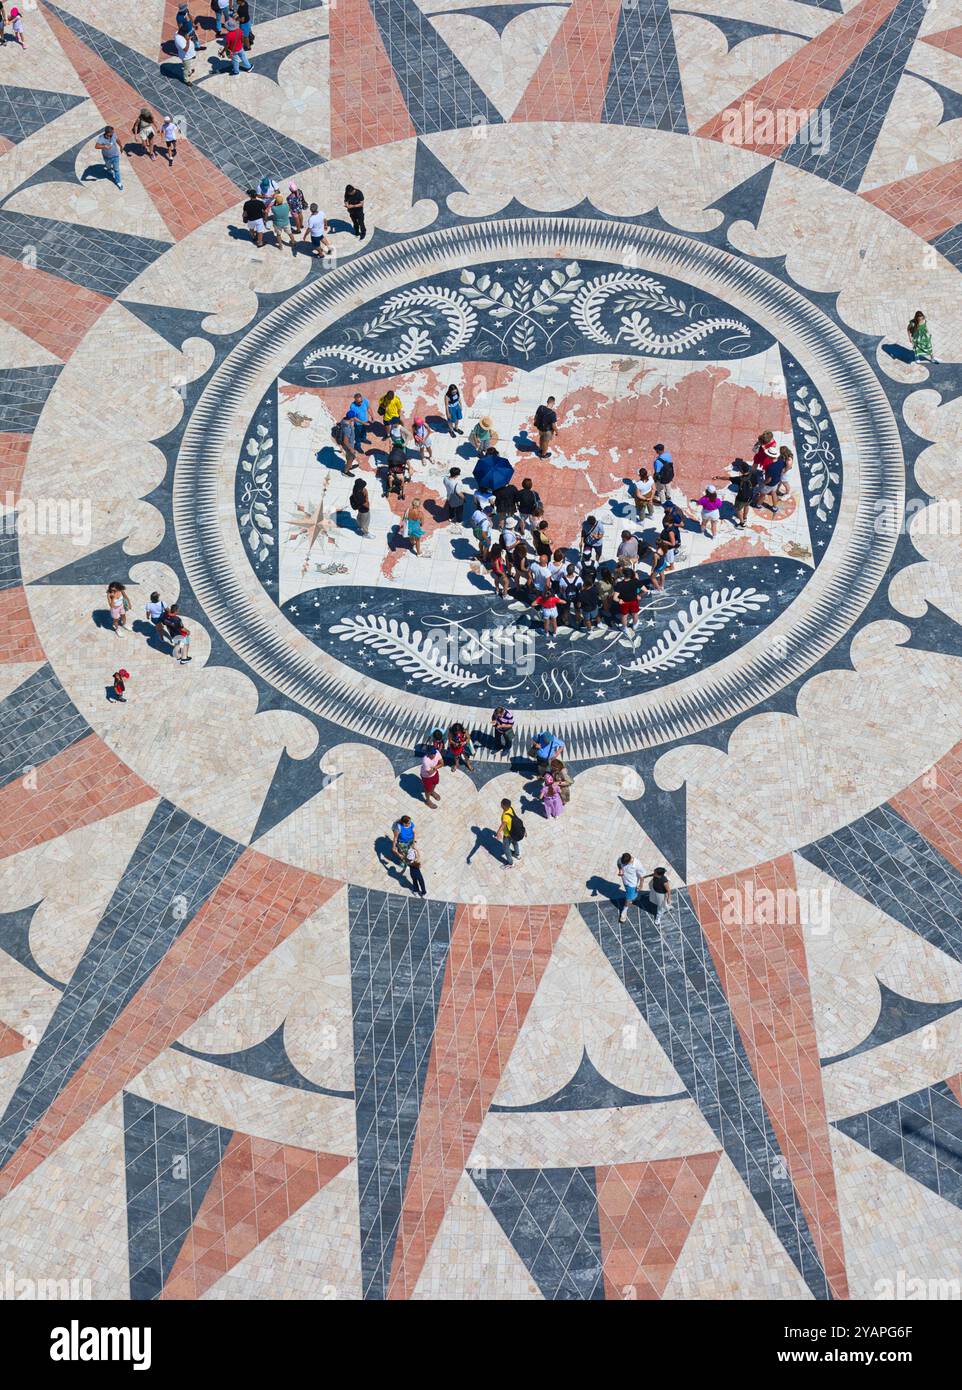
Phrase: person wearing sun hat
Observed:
(483, 437)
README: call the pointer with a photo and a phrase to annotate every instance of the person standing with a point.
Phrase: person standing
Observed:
(545, 421)
(627, 552)
(245, 22)
(184, 19)
(510, 832)
(170, 133)
(403, 837)
(360, 504)
(186, 52)
(109, 147)
(503, 724)
(627, 589)
(16, 19)
(3, 25)
(413, 522)
(629, 871)
(453, 410)
(562, 779)
(551, 798)
(354, 202)
(592, 538)
(483, 437)
(120, 679)
(221, 10)
(529, 504)
(233, 49)
(359, 411)
(663, 472)
(316, 229)
(919, 335)
(253, 215)
(710, 504)
(422, 439)
(454, 494)
(143, 129)
(119, 605)
(343, 435)
(545, 747)
(281, 217)
(389, 408)
(297, 203)
(644, 495)
(431, 765)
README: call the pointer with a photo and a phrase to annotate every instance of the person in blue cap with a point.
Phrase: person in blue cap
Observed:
(545, 747)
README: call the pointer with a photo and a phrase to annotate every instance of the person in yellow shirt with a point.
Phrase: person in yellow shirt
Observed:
(389, 408)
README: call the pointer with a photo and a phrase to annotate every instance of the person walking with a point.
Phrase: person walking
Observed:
(119, 604)
(502, 721)
(185, 20)
(120, 679)
(431, 765)
(173, 625)
(143, 129)
(422, 439)
(222, 9)
(170, 133)
(16, 20)
(659, 894)
(545, 422)
(918, 330)
(186, 52)
(629, 871)
(663, 471)
(281, 218)
(413, 522)
(389, 408)
(453, 410)
(233, 49)
(354, 202)
(359, 410)
(710, 504)
(360, 504)
(154, 611)
(245, 24)
(403, 837)
(344, 435)
(510, 832)
(109, 147)
(413, 861)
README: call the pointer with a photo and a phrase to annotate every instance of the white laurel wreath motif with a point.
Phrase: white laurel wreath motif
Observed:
(518, 305)
(687, 633)
(416, 342)
(412, 651)
(641, 292)
(817, 452)
(257, 493)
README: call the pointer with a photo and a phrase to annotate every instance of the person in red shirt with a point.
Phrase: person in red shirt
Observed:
(233, 42)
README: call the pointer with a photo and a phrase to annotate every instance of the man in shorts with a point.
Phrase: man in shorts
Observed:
(316, 229)
(629, 871)
(431, 765)
(254, 217)
(628, 589)
(545, 420)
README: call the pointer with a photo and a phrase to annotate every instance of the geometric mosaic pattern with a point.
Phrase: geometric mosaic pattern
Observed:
(240, 1055)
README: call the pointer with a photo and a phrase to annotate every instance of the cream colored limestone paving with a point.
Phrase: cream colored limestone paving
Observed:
(471, 1257)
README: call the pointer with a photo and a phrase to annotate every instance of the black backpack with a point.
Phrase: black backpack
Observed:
(517, 831)
(667, 473)
(337, 433)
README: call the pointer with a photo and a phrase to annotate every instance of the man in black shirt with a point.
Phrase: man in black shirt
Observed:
(545, 419)
(254, 217)
(529, 504)
(506, 499)
(628, 589)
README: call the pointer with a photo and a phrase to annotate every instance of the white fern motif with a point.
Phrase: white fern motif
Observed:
(687, 633)
(412, 651)
(638, 332)
(644, 292)
(416, 342)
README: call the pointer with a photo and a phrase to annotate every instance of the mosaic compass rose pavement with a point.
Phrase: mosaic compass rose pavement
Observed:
(277, 1073)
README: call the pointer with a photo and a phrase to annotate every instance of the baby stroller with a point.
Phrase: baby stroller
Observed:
(397, 470)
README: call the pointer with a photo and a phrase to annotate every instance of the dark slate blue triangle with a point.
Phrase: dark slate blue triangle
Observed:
(38, 720)
(98, 567)
(663, 816)
(262, 11)
(736, 31)
(295, 781)
(550, 1216)
(835, 5)
(175, 868)
(935, 631)
(103, 261)
(920, 1134)
(23, 395)
(644, 83)
(587, 1090)
(267, 1060)
(897, 1017)
(239, 145)
(669, 972)
(886, 861)
(175, 325)
(743, 203)
(500, 16)
(15, 940)
(170, 1160)
(951, 101)
(399, 950)
(432, 179)
(949, 245)
(23, 110)
(858, 104)
(439, 92)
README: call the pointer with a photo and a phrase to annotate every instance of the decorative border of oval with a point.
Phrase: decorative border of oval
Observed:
(216, 561)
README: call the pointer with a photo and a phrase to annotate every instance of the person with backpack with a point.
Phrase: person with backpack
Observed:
(592, 538)
(510, 832)
(529, 505)
(172, 624)
(345, 438)
(545, 422)
(360, 504)
(663, 472)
